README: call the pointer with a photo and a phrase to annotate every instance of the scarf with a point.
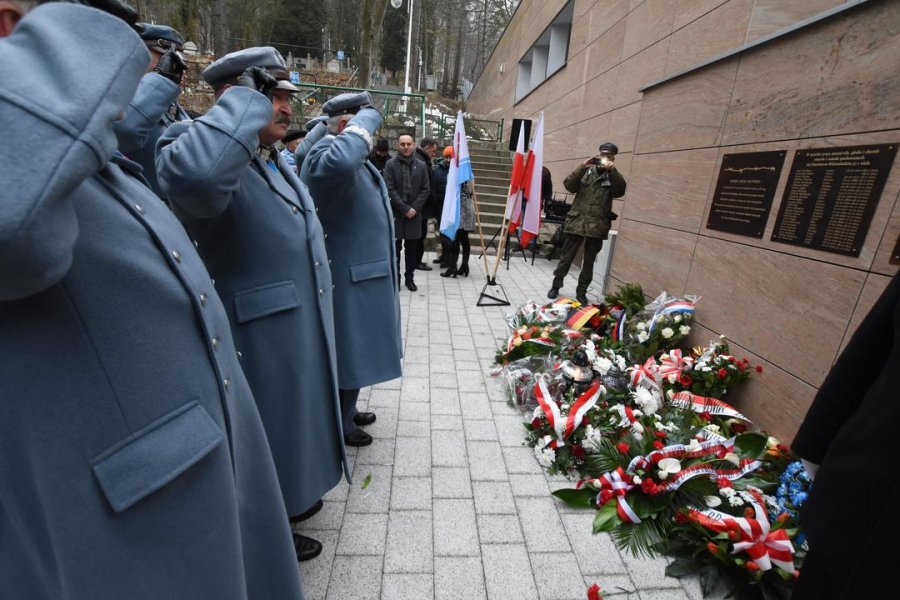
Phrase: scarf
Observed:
(406, 176)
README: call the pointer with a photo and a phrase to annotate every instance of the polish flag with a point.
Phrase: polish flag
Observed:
(517, 184)
(526, 181)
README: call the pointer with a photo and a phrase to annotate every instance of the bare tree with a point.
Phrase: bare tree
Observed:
(371, 18)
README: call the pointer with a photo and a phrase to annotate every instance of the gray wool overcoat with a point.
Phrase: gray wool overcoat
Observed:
(146, 118)
(356, 214)
(417, 197)
(256, 229)
(133, 463)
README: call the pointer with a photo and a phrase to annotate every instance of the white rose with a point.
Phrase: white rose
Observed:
(643, 337)
(641, 326)
(636, 480)
(677, 319)
(712, 501)
(602, 365)
(684, 330)
(620, 363)
(667, 332)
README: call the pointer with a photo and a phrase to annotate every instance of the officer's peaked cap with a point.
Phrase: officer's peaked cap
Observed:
(346, 104)
(230, 66)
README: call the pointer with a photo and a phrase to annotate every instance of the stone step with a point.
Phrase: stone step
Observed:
(491, 173)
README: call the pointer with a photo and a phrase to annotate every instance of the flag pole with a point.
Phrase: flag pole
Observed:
(478, 223)
(504, 234)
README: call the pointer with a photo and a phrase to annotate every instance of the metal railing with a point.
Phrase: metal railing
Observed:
(399, 109)
(479, 130)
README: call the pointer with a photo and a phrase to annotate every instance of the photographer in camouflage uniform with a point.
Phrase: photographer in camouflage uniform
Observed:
(595, 183)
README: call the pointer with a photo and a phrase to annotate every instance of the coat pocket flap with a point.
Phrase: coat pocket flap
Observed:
(265, 300)
(152, 457)
(370, 270)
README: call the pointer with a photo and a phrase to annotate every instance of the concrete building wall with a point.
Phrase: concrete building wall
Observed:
(834, 82)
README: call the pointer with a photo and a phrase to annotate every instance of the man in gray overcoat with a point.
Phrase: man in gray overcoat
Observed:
(356, 214)
(256, 229)
(408, 182)
(133, 463)
(154, 106)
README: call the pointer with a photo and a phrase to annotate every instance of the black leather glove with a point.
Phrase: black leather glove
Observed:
(113, 7)
(257, 78)
(171, 65)
(311, 124)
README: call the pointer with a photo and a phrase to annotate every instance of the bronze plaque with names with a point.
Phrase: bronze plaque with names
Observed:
(744, 192)
(831, 196)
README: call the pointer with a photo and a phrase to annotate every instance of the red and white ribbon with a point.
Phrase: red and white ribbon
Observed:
(712, 448)
(673, 364)
(701, 404)
(581, 406)
(649, 372)
(763, 546)
(550, 407)
(614, 484)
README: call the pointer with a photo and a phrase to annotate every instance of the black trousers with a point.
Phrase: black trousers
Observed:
(348, 400)
(460, 243)
(411, 257)
(571, 243)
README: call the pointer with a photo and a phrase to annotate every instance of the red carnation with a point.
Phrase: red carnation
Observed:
(752, 566)
(759, 368)
(648, 486)
(686, 381)
(526, 335)
(713, 549)
(680, 517)
(594, 593)
(536, 423)
(658, 444)
(579, 452)
(738, 427)
(706, 416)
(721, 482)
(585, 420)
(622, 447)
(722, 373)
(660, 434)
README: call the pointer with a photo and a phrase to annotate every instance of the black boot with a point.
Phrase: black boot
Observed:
(450, 272)
(463, 271)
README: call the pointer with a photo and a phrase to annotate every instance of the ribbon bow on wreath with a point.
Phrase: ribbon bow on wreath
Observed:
(614, 484)
(564, 427)
(672, 364)
(649, 372)
(753, 536)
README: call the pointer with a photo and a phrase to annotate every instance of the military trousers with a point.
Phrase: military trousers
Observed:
(348, 409)
(570, 247)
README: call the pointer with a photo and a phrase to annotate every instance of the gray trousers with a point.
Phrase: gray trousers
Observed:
(592, 247)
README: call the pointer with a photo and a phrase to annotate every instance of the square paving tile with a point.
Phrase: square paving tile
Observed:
(508, 572)
(362, 535)
(451, 482)
(455, 528)
(521, 460)
(376, 497)
(529, 485)
(407, 429)
(499, 529)
(557, 576)
(481, 430)
(544, 531)
(493, 498)
(407, 587)
(458, 578)
(448, 449)
(409, 543)
(411, 493)
(356, 577)
(412, 457)
(329, 518)
(596, 554)
(447, 422)
(380, 452)
(486, 461)
(415, 411)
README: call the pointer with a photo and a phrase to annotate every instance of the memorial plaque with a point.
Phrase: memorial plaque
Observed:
(831, 196)
(744, 192)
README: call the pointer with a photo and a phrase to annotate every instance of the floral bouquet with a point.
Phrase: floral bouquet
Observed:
(532, 339)
(661, 326)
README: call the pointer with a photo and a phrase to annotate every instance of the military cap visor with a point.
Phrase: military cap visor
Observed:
(292, 135)
(229, 67)
(347, 104)
(609, 148)
(161, 35)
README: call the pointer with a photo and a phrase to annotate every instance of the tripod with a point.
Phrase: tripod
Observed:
(505, 249)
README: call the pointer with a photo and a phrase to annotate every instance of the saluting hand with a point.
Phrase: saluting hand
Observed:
(257, 78)
(171, 65)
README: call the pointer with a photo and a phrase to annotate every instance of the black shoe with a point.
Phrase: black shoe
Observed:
(422, 267)
(438, 261)
(553, 294)
(364, 418)
(358, 438)
(463, 271)
(306, 547)
(583, 299)
(308, 513)
(411, 285)
(450, 272)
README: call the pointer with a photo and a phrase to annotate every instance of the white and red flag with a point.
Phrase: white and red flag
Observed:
(526, 182)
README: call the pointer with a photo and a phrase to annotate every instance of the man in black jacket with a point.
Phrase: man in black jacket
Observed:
(850, 430)
(426, 152)
(409, 185)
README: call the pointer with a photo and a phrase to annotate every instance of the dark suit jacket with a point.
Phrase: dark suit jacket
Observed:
(851, 430)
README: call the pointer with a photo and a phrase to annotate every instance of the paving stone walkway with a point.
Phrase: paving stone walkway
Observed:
(457, 508)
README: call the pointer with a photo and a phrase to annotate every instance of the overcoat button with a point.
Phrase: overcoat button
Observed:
(202, 299)
(176, 255)
(215, 343)
(226, 382)
(139, 208)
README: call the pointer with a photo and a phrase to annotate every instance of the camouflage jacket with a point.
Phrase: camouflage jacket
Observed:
(591, 214)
